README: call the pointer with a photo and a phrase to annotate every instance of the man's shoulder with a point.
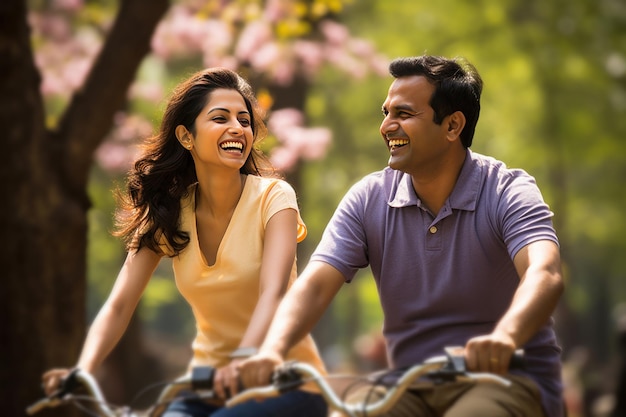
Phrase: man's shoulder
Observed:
(379, 178)
(495, 169)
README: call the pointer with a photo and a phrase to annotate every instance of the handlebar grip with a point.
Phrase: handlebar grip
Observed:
(202, 377)
(518, 360)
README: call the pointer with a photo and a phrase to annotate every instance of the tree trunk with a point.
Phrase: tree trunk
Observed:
(43, 181)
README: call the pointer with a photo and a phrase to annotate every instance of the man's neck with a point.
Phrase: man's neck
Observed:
(434, 187)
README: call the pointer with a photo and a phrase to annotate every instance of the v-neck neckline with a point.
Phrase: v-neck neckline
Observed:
(220, 246)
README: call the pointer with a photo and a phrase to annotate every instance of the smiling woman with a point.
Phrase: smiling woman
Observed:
(203, 194)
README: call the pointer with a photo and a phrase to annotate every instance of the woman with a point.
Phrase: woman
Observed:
(203, 195)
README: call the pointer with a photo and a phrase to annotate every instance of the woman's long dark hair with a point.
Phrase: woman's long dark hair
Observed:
(149, 210)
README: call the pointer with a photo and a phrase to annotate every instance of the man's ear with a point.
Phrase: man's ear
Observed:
(455, 124)
(183, 136)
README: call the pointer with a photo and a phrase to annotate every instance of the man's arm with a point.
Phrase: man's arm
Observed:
(541, 285)
(297, 314)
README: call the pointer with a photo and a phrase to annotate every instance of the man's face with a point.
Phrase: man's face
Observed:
(414, 141)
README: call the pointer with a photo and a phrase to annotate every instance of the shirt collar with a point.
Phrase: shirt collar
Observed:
(463, 197)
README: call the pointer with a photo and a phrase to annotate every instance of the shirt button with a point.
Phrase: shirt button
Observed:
(433, 229)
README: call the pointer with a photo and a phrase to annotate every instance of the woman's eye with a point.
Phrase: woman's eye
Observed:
(219, 119)
(244, 122)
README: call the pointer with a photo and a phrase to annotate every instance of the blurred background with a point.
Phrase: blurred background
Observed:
(86, 80)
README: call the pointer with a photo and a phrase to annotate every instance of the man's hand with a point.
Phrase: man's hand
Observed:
(489, 353)
(257, 370)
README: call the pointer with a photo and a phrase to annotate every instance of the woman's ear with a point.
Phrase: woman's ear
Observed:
(455, 123)
(183, 136)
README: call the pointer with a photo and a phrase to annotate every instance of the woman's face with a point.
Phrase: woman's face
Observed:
(223, 129)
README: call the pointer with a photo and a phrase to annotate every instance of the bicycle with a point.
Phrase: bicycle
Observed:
(290, 376)
(94, 403)
(436, 370)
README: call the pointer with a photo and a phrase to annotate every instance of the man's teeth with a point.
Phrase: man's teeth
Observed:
(397, 142)
(232, 145)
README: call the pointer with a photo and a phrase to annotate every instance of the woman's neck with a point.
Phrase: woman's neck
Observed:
(218, 196)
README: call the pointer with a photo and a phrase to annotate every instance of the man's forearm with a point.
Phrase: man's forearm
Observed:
(302, 307)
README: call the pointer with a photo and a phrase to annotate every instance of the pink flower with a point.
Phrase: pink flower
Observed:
(284, 159)
(310, 55)
(69, 5)
(115, 157)
(265, 57)
(254, 35)
(335, 33)
(296, 140)
(147, 91)
(284, 119)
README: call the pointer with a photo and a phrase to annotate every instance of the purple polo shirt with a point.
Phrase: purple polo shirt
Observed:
(445, 278)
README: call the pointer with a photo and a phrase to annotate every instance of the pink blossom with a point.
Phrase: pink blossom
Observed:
(180, 33)
(335, 33)
(283, 158)
(119, 150)
(276, 10)
(75, 72)
(215, 37)
(86, 42)
(310, 55)
(380, 65)
(296, 140)
(52, 85)
(53, 27)
(225, 61)
(115, 157)
(265, 56)
(147, 91)
(69, 5)
(308, 143)
(283, 72)
(361, 47)
(129, 128)
(254, 35)
(284, 119)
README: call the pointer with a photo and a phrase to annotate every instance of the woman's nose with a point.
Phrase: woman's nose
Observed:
(235, 128)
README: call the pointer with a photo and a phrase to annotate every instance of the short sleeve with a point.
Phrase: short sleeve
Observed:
(280, 195)
(525, 217)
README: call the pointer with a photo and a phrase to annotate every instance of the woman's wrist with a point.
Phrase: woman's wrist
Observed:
(243, 352)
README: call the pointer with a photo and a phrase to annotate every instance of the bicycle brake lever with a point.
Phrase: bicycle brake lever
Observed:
(453, 365)
(286, 378)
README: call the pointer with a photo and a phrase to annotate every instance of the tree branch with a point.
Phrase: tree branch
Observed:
(90, 114)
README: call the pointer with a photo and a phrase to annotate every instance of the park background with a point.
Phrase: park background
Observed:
(83, 81)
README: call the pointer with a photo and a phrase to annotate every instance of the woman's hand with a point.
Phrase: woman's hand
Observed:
(226, 382)
(51, 380)
(258, 369)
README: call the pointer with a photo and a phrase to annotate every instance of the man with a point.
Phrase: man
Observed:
(462, 249)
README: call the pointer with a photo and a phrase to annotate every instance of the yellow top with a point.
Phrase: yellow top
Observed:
(223, 296)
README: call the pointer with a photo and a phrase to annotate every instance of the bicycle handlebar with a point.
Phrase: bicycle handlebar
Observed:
(448, 367)
(201, 378)
(290, 376)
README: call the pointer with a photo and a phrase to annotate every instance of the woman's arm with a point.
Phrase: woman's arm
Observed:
(114, 316)
(279, 251)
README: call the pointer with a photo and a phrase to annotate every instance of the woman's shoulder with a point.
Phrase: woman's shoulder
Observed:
(269, 184)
